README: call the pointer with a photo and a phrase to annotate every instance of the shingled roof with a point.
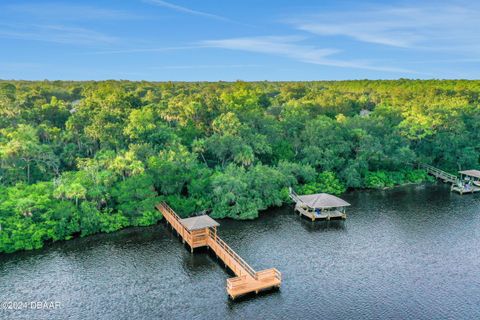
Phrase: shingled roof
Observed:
(323, 200)
(471, 173)
(200, 222)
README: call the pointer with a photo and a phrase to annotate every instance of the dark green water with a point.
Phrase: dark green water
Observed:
(407, 253)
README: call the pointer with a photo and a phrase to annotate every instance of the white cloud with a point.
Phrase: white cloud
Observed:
(186, 10)
(421, 26)
(291, 47)
(285, 46)
(61, 11)
(55, 33)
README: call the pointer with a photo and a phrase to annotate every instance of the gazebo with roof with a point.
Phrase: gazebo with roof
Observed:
(321, 206)
(198, 228)
(199, 223)
(469, 182)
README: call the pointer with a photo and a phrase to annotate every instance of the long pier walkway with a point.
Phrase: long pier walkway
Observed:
(439, 174)
(247, 280)
(469, 181)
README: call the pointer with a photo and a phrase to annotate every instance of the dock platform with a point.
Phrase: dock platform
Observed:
(202, 232)
(469, 181)
(323, 215)
(464, 190)
(319, 206)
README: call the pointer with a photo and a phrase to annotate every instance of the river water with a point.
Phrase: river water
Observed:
(408, 253)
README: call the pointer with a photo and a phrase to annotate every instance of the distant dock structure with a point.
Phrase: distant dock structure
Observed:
(468, 182)
(320, 206)
(438, 173)
(201, 231)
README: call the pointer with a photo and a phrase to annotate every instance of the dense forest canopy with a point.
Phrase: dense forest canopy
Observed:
(77, 158)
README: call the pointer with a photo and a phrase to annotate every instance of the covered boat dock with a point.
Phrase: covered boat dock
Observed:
(469, 182)
(321, 206)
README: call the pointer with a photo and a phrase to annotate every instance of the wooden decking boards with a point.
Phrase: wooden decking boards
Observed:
(247, 280)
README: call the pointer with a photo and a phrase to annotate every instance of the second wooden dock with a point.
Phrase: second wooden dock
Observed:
(201, 231)
(469, 181)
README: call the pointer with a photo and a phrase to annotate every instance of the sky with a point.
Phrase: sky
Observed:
(211, 40)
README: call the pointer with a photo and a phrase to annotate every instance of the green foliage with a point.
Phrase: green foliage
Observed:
(416, 176)
(184, 206)
(115, 221)
(240, 193)
(378, 179)
(77, 158)
(90, 219)
(135, 198)
(144, 125)
(326, 182)
(386, 179)
(23, 156)
(172, 169)
(231, 195)
(29, 215)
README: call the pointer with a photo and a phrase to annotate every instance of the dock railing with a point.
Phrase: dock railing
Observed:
(438, 173)
(268, 274)
(181, 229)
(294, 196)
(232, 254)
(235, 283)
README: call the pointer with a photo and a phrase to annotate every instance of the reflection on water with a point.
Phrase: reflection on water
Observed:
(406, 253)
(325, 226)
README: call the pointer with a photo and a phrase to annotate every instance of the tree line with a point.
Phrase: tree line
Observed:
(78, 158)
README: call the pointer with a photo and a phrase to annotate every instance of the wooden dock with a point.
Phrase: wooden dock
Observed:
(463, 190)
(323, 215)
(247, 280)
(469, 182)
(439, 174)
(320, 206)
(459, 185)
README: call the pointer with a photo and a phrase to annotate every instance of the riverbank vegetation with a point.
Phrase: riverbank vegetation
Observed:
(77, 158)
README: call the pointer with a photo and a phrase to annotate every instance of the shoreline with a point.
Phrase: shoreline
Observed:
(260, 212)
